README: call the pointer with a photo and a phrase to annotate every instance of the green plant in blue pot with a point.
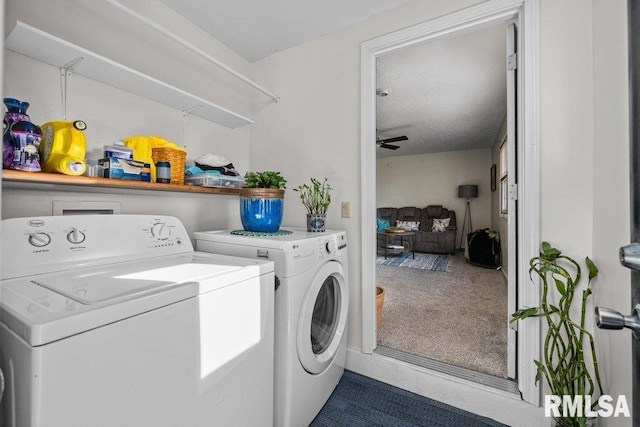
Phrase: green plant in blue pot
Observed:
(262, 201)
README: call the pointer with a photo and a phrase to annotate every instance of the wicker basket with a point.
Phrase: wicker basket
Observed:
(177, 159)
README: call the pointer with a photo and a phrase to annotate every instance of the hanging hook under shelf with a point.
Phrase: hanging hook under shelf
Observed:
(65, 71)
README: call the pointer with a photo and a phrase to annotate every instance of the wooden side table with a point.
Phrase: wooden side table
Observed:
(411, 235)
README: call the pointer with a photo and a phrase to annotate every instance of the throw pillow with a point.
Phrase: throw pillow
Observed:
(408, 225)
(383, 223)
(440, 225)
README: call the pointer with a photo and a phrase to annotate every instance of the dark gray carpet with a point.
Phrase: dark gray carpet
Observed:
(359, 401)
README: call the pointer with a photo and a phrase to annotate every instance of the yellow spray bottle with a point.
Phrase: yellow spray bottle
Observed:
(63, 147)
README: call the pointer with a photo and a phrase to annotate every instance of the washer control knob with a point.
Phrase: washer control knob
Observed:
(39, 239)
(160, 230)
(331, 246)
(76, 236)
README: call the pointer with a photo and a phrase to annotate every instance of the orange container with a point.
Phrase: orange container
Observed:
(379, 304)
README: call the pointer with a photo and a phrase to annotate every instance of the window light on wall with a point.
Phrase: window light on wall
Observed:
(504, 188)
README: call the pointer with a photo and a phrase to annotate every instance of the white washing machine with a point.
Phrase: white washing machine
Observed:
(312, 300)
(114, 320)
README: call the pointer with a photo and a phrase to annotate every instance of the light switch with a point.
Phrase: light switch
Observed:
(346, 209)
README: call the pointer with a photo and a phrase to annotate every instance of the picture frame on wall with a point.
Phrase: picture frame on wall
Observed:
(493, 177)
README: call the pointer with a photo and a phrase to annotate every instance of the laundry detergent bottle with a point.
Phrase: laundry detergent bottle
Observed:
(64, 147)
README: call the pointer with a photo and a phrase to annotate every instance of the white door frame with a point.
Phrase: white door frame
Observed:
(512, 255)
(487, 14)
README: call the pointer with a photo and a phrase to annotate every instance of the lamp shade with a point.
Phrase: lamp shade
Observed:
(467, 191)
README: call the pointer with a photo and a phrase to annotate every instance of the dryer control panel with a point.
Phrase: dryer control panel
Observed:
(305, 254)
(53, 243)
(335, 244)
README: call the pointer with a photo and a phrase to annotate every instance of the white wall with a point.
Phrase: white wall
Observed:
(317, 124)
(314, 129)
(112, 114)
(611, 215)
(584, 156)
(433, 179)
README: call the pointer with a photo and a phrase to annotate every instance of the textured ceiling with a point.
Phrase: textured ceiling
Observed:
(444, 95)
(255, 29)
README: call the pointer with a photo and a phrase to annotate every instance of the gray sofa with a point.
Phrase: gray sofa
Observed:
(441, 242)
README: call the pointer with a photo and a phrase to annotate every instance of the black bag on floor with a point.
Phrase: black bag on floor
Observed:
(484, 248)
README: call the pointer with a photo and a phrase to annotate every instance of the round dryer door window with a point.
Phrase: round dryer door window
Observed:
(323, 318)
(325, 312)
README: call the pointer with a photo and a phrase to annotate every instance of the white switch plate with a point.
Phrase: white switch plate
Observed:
(346, 209)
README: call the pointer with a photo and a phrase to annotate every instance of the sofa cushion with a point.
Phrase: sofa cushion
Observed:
(383, 223)
(388, 213)
(440, 224)
(409, 214)
(435, 211)
(408, 225)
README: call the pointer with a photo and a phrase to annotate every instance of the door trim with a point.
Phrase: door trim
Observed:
(487, 14)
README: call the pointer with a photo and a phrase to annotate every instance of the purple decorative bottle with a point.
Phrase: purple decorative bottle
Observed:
(16, 111)
(21, 138)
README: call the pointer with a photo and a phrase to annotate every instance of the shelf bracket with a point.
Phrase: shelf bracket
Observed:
(65, 71)
(185, 113)
(188, 111)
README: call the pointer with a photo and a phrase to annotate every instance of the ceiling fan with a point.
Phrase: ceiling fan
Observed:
(384, 143)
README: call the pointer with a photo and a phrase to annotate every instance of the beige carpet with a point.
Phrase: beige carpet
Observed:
(457, 317)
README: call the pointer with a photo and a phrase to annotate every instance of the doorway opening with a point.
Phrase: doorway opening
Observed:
(520, 189)
(441, 120)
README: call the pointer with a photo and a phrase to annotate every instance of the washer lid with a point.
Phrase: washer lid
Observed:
(100, 285)
(46, 308)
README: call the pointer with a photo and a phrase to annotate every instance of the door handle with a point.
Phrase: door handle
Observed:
(630, 256)
(611, 319)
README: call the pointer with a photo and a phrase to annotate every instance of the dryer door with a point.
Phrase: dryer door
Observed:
(323, 318)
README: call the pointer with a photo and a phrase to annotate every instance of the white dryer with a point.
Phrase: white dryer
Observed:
(312, 299)
(114, 320)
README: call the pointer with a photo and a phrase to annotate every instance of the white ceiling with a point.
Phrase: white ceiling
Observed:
(445, 95)
(255, 29)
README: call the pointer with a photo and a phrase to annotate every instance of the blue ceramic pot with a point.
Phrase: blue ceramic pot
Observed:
(261, 209)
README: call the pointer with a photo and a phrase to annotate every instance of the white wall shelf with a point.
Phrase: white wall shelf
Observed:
(34, 43)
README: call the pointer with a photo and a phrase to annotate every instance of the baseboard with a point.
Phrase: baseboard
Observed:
(479, 399)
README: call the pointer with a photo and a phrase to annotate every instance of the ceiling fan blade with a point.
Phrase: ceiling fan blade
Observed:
(395, 139)
(390, 147)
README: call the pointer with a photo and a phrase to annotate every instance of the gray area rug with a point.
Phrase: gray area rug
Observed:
(433, 262)
(457, 317)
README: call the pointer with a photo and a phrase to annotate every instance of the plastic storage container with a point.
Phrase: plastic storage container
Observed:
(215, 180)
(64, 147)
(118, 150)
(163, 172)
